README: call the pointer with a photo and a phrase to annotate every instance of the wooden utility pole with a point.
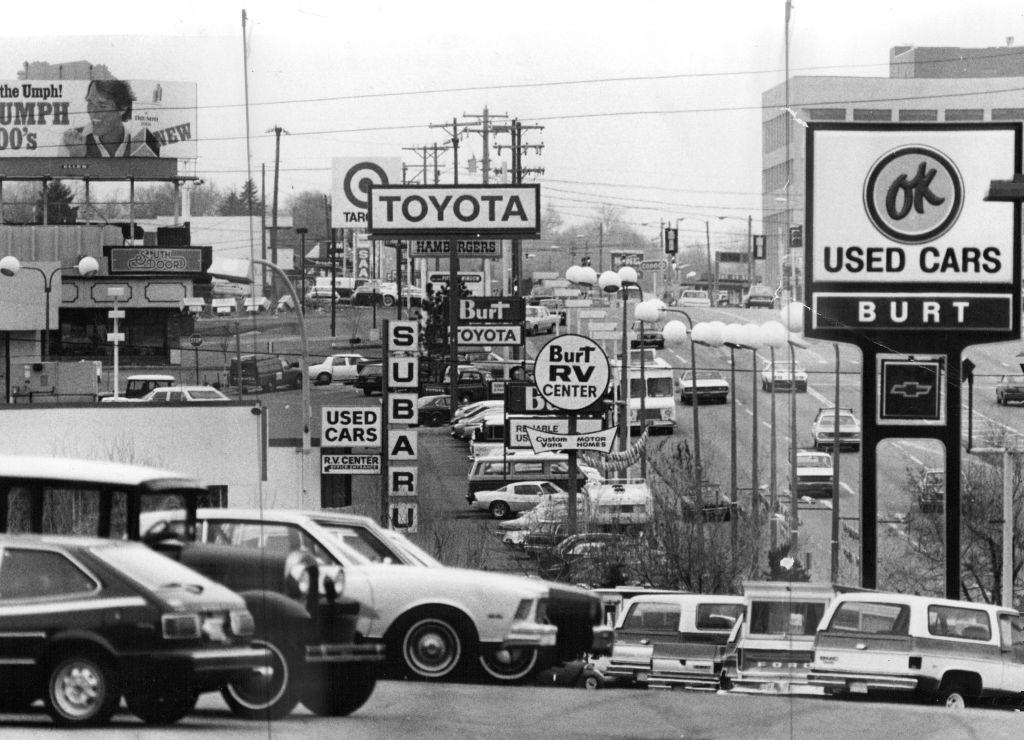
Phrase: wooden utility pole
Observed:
(277, 130)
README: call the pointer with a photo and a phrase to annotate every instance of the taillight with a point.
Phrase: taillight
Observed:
(242, 623)
(180, 626)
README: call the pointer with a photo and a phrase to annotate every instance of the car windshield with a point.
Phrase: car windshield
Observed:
(149, 567)
(845, 417)
(814, 461)
(202, 394)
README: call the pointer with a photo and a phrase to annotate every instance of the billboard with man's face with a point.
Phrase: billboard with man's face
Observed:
(97, 119)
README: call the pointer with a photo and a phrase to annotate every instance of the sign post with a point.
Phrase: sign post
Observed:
(571, 373)
(196, 340)
(904, 251)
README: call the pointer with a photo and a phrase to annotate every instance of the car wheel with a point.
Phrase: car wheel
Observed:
(508, 665)
(590, 681)
(343, 691)
(500, 510)
(82, 689)
(953, 695)
(388, 300)
(268, 692)
(162, 708)
(323, 379)
(432, 645)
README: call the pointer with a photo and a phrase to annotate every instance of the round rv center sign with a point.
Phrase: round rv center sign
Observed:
(571, 372)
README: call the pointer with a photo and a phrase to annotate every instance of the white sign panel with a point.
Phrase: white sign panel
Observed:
(485, 210)
(402, 480)
(403, 444)
(350, 426)
(474, 281)
(597, 442)
(900, 206)
(403, 408)
(351, 178)
(350, 464)
(403, 516)
(403, 372)
(403, 336)
(518, 437)
(571, 372)
(499, 335)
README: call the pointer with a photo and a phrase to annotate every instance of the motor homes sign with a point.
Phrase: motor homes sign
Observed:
(398, 211)
(899, 237)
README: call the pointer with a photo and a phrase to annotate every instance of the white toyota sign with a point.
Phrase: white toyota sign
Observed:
(404, 210)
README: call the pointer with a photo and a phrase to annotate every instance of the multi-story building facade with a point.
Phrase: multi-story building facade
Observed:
(925, 84)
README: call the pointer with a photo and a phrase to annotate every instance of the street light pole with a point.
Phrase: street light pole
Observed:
(302, 231)
(620, 282)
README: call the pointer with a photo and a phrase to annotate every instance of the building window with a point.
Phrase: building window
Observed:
(774, 132)
(1008, 114)
(915, 114)
(965, 114)
(872, 114)
(827, 114)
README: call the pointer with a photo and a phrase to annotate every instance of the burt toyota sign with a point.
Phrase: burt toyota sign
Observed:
(899, 237)
(397, 211)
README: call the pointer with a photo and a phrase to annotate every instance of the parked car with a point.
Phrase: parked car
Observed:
(672, 640)
(138, 386)
(264, 373)
(434, 410)
(786, 376)
(1010, 389)
(824, 426)
(694, 299)
(814, 474)
(184, 394)
(301, 613)
(84, 621)
(954, 652)
(370, 378)
(512, 498)
(540, 321)
(386, 293)
(759, 295)
(709, 386)
(651, 337)
(434, 623)
(320, 295)
(342, 368)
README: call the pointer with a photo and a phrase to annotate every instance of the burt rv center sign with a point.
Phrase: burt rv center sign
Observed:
(501, 211)
(571, 372)
(899, 239)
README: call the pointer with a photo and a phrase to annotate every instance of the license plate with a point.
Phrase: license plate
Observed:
(858, 687)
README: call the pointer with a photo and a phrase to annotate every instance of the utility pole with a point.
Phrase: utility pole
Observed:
(277, 131)
(263, 214)
(516, 146)
(486, 121)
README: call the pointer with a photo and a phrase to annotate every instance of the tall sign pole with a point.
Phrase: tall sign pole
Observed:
(910, 261)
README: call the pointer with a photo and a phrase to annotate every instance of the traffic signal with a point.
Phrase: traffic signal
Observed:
(796, 237)
(671, 240)
(759, 247)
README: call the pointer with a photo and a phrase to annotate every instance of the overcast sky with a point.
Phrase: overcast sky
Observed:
(648, 104)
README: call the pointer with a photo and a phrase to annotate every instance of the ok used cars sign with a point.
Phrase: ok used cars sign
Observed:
(488, 210)
(571, 372)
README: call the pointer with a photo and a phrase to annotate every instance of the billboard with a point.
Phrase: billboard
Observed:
(351, 178)
(510, 211)
(97, 119)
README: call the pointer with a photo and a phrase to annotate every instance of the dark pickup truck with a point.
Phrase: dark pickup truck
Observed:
(301, 619)
(472, 385)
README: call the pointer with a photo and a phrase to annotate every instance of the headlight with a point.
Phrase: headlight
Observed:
(180, 626)
(299, 576)
(213, 629)
(242, 623)
(339, 582)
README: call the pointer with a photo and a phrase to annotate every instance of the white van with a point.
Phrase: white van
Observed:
(490, 473)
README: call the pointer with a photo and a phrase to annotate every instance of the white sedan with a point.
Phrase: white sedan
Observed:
(184, 394)
(514, 497)
(342, 368)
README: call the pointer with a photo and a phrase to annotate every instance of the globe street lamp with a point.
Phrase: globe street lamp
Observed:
(774, 334)
(734, 337)
(584, 277)
(10, 266)
(620, 282)
(676, 332)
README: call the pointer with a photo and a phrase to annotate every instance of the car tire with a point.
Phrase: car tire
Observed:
(500, 510)
(508, 665)
(343, 690)
(255, 696)
(388, 300)
(323, 379)
(591, 681)
(162, 707)
(432, 644)
(953, 695)
(83, 688)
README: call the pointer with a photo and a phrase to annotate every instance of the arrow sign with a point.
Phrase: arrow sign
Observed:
(601, 441)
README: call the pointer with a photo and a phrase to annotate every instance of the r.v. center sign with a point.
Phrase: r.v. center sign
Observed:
(899, 239)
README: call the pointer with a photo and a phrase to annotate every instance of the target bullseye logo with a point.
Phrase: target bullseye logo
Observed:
(358, 180)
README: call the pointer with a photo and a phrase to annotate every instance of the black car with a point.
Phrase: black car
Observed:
(650, 338)
(84, 621)
(434, 410)
(370, 378)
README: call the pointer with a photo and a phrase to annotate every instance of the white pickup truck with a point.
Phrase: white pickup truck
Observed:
(540, 321)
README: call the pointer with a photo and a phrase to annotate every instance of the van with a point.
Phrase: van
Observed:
(264, 373)
(489, 473)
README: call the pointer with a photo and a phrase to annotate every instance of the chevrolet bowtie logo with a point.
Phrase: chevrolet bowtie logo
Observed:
(910, 389)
